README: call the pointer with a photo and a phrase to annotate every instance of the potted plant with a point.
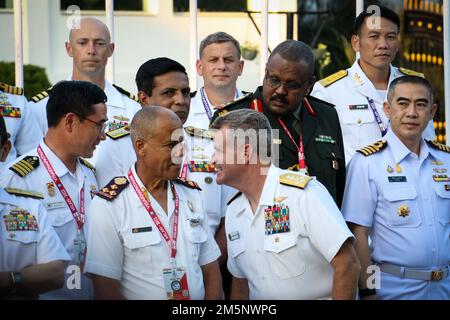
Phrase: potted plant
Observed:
(249, 51)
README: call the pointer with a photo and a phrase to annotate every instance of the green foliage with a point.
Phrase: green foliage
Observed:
(35, 77)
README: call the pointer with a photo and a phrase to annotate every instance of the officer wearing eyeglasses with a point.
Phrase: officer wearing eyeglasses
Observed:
(309, 134)
(76, 120)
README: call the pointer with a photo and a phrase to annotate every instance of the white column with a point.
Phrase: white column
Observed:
(18, 42)
(359, 6)
(446, 17)
(193, 46)
(109, 11)
(264, 37)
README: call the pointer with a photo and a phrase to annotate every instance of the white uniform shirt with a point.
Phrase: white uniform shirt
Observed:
(20, 124)
(59, 213)
(20, 249)
(198, 117)
(117, 156)
(137, 259)
(358, 123)
(289, 265)
(420, 239)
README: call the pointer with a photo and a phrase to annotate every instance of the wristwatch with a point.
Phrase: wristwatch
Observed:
(16, 278)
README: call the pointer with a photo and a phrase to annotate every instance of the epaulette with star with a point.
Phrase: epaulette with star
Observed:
(333, 78)
(237, 195)
(188, 183)
(42, 95)
(6, 88)
(119, 133)
(439, 146)
(87, 164)
(25, 166)
(373, 148)
(294, 180)
(197, 132)
(409, 72)
(125, 92)
(25, 193)
(113, 188)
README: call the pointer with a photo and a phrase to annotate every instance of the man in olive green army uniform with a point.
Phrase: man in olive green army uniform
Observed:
(310, 138)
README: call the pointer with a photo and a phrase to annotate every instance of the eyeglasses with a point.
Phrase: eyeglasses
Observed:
(275, 83)
(100, 125)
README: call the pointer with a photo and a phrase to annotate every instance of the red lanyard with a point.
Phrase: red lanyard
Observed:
(300, 148)
(171, 243)
(77, 215)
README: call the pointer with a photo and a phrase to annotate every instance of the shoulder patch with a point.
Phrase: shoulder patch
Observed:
(409, 72)
(333, 78)
(42, 95)
(237, 195)
(119, 133)
(373, 148)
(439, 146)
(87, 164)
(197, 132)
(10, 89)
(25, 193)
(294, 180)
(25, 166)
(125, 92)
(188, 183)
(113, 188)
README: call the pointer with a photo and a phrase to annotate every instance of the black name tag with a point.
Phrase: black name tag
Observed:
(358, 106)
(397, 179)
(145, 229)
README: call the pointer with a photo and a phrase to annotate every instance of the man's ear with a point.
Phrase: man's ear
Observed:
(143, 98)
(241, 67)
(199, 66)
(69, 49)
(70, 120)
(387, 109)
(433, 110)
(112, 46)
(355, 42)
(4, 151)
(139, 145)
(248, 153)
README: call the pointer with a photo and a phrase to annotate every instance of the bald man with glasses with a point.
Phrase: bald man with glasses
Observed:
(309, 134)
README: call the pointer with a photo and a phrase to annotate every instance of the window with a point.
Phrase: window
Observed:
(6, 4)
(208, 5)
(99, 5)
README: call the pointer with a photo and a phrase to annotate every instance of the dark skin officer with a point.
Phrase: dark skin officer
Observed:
(283, 99)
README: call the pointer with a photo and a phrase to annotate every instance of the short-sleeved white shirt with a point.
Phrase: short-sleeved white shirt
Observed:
(23, 248)
(289, 265)
(59, 213)
(137, 259)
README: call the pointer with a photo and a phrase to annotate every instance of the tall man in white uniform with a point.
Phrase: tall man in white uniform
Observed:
(359, 92)
(76, 120)
(90, 46)
(398, 193)
(220, 65)
(31, 254)
(148, 230)
(23, 130)
(285, 235)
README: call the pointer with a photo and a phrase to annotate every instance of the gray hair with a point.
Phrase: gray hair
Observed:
(295, 51)
(219, 37)
(247, 120)
(409, 79)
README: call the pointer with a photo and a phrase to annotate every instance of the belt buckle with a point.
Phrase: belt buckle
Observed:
(437, 275)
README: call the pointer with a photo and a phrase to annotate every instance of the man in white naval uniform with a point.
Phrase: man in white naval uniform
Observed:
(358, 93)
(220, 65)
(90, 46)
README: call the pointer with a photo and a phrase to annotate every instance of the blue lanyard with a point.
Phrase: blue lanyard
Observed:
(206, 103)
(382, 126)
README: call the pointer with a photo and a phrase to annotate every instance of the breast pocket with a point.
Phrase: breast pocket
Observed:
(358, 117)
(283, 255)
(402, 209)
(23, 237)
(144, 252)
(443, 204)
